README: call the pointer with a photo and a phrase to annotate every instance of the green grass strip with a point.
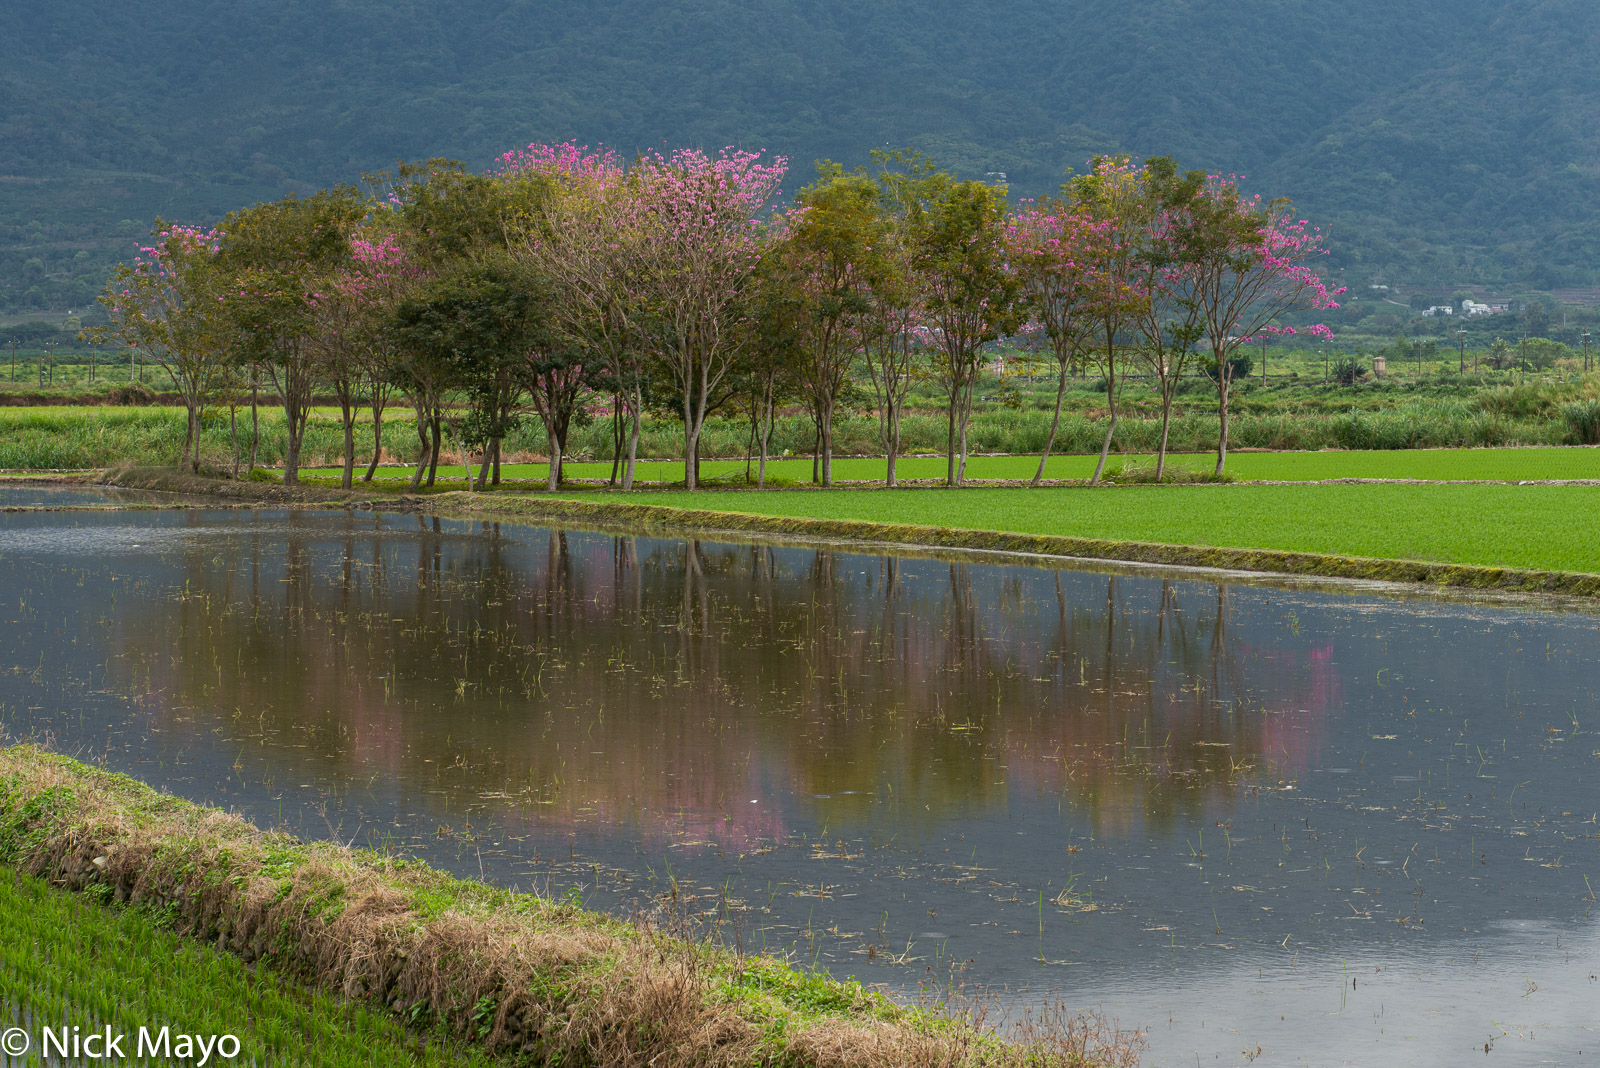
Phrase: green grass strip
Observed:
(71, 961)
(1476, 536)
(1444, 465)
(1495, 526)
(1535, 538)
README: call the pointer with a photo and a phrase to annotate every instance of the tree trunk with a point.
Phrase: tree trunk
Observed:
(761, 470)
(689, 442)
(1111, 403)
(961, 471)
(377, 436)
(291, 458)
(555, 460)
(255, 415)
(964, 419)
(635, 419)
(691, 459)
(825, 443)
(1167, 395)
(188, 434)
(616, 439)
(495, 481)
(297, 439)
(1111, 426)
(892, 447)
(750, 442)
(766, 415)
(1222, 416)
(1055, 424)
(484, 460)
(423, 451)
(950, 442)
(437, 433)
(1105, 447)
(347, 412)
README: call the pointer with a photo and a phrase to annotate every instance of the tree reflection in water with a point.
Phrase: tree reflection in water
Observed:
(576, 680)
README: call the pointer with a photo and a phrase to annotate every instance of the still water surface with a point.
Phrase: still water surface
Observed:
(1340, 827)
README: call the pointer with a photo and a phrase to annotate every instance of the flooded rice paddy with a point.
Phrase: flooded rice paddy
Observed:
(1310, 827)
(18, 496)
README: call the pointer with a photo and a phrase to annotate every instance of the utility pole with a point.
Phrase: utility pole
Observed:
(13, 361)
(1462, 334)
(1586, 352)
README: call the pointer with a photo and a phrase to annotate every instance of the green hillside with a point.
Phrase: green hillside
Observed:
(1438, 143)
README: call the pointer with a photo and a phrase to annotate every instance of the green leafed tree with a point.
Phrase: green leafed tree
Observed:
(968, 293)
(278, 258)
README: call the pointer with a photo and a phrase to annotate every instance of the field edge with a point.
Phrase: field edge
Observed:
(650, 518)
(670, 519)
(520, 976)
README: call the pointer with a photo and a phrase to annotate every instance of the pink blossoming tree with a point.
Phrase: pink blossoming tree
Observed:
(1244, 264)
(701, 238)
(165, 305)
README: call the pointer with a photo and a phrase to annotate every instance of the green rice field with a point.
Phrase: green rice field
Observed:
(72, 962)
(1449, 465)
(1543, 527)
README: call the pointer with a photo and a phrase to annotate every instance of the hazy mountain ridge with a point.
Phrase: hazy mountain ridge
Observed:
(1439, 142)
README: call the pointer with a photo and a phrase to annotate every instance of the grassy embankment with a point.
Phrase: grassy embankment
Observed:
(1533, 539)
(1473, 535)
(521, 978)
(1444, 465)
(1389, 416)
(1537, 527)
(70, 960)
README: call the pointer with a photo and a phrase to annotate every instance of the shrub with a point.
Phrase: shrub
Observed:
(1347, 371)
(1524, 401)
(1583, 422)
(132, 393)
(1240, 367)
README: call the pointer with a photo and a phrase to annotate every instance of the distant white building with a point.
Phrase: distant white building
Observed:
(1439, 309)
(1472, 309)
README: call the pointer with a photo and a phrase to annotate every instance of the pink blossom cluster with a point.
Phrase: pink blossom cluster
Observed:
(565, 160)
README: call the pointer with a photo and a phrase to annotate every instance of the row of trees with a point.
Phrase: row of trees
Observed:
(565, 283)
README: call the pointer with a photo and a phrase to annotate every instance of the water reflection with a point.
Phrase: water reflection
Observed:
(1197, 804)
(582, 679)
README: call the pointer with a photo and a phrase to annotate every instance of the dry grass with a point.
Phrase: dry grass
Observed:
(530, 978)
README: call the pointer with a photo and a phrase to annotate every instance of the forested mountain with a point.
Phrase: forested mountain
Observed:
(1437, 142)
